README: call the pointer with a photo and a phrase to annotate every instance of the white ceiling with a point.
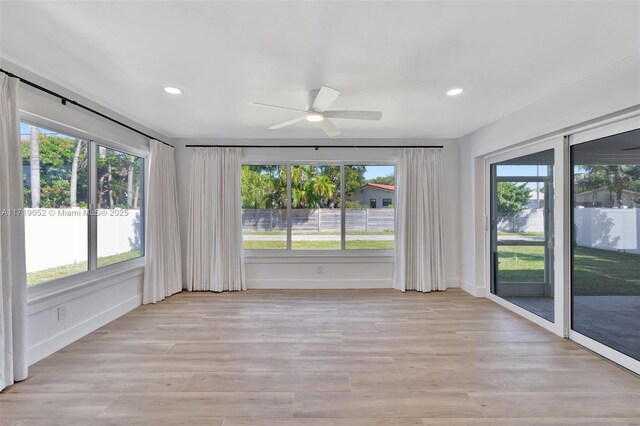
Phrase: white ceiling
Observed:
(396, 57)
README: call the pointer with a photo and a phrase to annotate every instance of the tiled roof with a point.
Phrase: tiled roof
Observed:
(382, 186)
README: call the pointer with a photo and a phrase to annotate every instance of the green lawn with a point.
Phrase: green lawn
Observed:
(38, 277)
(317, 233)
(597, 272)
(524, 234)
(318, 245)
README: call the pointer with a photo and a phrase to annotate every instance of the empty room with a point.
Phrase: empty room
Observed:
(319, 213)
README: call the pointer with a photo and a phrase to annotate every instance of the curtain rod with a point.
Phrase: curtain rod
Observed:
(316, 147)
(66, 100)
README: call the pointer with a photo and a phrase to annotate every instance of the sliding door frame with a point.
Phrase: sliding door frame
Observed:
(571, 140)
(556, 144)
(561, 141)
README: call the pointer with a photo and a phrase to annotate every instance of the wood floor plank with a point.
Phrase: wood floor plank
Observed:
(103, 382)
(553, 404)
(524, 422)
(423, 381)
(184, 405)
(127, 421)
(385, 404)
(324, 422)
(176, 363)
(327, 357)
(323, 364)
(268, 382)
(43, 406)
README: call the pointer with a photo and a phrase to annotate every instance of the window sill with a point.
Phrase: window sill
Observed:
(87, 281)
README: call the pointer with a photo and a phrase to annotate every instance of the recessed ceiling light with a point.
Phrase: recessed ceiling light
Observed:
(315, 117)
(455, 91)
(172, 90)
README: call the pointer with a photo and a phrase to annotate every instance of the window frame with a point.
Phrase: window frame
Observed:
(343, 251)
(93, 273)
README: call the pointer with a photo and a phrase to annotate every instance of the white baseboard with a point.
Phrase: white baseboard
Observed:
(318, 284)
(453, 282)
(472, 289)
(70, 335)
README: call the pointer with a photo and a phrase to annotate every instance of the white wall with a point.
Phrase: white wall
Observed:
(108, 293)
(88, 306)
(336, 271)
(612, 89)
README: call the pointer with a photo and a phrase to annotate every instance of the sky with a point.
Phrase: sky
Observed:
(24, 131)
(377, 171)
(504, 170)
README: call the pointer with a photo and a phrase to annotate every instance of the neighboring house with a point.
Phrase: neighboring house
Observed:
(374, 195)
(604, 198)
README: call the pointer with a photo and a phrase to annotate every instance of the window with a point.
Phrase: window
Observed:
(58, 190)
(119, 190)
(373, 227)
(264, 207)
(605, 284)
(56, 199)
(315, 208)
(300, 207)
(522, 232)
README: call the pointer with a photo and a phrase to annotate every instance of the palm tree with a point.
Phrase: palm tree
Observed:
(323, 188)
(34, 161)
(615, 178)
(73, 183)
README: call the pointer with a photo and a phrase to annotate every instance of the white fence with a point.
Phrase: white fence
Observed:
(528, 220)
(608, 229)
(318, 220)
(58, 237)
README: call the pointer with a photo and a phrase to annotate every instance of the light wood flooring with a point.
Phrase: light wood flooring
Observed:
(322, 358)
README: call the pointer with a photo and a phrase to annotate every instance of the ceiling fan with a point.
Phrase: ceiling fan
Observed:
(318, 113)
(631, 149)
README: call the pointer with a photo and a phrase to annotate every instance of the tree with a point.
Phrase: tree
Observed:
(385, 180)
(34, 164)
(56, 165)
(118, 179)
(512, 198)
(614, 177)
(73, 183)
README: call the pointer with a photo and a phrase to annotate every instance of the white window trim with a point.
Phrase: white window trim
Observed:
(343, 251)
(52, 288)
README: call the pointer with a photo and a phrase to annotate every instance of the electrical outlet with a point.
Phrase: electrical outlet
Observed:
(62, 313)
(319, 269)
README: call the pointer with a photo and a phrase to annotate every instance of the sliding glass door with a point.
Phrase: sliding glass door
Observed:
(522, 249)
(605, 270)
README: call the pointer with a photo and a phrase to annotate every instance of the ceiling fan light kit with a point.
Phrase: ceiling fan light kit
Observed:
(319, 114)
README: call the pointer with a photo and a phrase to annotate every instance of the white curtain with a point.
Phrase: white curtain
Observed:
(162, 272)
(13, 275)
(215, 260)
(419, 239)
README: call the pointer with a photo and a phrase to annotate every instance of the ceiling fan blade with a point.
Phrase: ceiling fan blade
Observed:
(324, 98)
(356, 115)
(631, 149)
(288, 123)
(275, 106)
(329, 128)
